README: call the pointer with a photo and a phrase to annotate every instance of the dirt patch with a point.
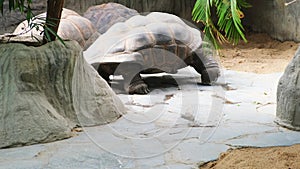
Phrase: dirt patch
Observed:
(261, 54)
(258, 158)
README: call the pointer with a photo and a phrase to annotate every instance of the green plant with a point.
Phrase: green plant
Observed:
(51, 22)
(228, 27)
(21, 5)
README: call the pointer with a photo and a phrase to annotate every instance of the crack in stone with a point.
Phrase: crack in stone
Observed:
(261, 105)
(250, 134)
(195, 125)
(132, 103)
(46, 155)
(232, 146)
(226, 101)
(250, 122)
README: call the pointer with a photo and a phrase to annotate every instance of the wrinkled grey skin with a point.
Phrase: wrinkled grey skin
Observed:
(157, 42)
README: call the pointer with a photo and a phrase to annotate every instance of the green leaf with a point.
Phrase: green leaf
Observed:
(50, 23)
(229, 26)
(29, 15)
(1, 6)
(48, 30)
(11, 4)
(243, 4)
(237, 21)
(20, 5)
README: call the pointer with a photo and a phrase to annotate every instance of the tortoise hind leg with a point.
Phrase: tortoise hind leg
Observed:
(137, 86)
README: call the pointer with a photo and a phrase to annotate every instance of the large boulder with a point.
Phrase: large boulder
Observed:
(278, 18)
(288, 95)
(48, 90)
(182, 8)
(105, 15)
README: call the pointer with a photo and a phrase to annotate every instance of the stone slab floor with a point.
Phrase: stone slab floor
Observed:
(179, 125)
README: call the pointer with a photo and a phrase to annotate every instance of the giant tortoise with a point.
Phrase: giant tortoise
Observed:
(105, 15)
(157, 42)
(72, 27)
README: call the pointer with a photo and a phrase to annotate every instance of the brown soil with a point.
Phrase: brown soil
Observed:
(258, 158)
(260, 55)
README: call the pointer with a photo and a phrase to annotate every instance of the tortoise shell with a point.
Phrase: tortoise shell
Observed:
(72, 27)
(105, 15)
(151, 40)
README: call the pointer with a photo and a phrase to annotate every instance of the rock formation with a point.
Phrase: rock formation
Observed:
(46, 91)
(288, 95)
(182, 8)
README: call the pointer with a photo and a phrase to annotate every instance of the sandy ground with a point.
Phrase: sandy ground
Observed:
(260, 55)
(258, 158)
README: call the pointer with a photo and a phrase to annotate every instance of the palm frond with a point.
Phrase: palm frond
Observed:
(229, 27)
(243, 4)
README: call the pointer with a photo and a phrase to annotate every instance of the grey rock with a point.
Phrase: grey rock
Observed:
(46, 91)
(10, 19)
(279, 20)
(288, 95)
(180, 8)
(105, 15)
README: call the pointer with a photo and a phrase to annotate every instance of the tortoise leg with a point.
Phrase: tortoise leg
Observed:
(103, 72)
(137, 86)
(133, 82)
(207, 66)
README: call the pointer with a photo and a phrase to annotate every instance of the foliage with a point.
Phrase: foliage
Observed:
(20, 5)
(228, 12)
(48, 24)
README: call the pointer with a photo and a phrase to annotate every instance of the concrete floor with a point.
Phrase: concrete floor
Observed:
(173, 127)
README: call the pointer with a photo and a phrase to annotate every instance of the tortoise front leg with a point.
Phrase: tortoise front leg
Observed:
(207, 66)
(133, 82)
(104, 72)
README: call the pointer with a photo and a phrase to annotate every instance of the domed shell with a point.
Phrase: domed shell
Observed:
(72, 27)
(105, 15)
(141, 37)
